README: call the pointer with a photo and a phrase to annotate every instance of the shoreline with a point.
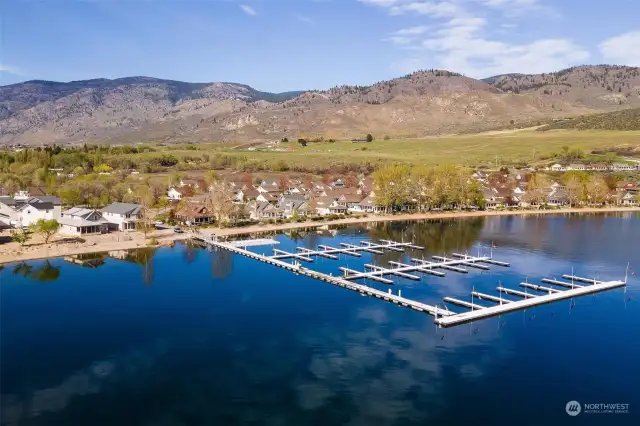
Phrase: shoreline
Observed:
(53, 250)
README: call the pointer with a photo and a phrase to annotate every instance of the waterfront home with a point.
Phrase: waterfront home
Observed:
(626, 199)
(491, 199)
(195, 214)
(264, 211)
(558, 197)
(292, 205)
(176, 193)
(322, 205)
(122, 216)
(369, 205)
(80, 221)
(19, 212)
(350, 201)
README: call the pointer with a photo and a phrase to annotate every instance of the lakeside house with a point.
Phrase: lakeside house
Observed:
(259, 210)
(79, 221)
(195, 214)
(20, 212)
(122, 216)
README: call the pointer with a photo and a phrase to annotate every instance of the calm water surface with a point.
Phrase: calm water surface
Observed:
(182, 336)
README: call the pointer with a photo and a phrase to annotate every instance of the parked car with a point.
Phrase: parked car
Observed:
(178, 230)
(158, 222)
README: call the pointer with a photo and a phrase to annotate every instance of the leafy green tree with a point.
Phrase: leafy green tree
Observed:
(46, 228)
(71, 196)
(369, 137)
(20, 236)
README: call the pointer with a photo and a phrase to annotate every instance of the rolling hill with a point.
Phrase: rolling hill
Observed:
(422, 103)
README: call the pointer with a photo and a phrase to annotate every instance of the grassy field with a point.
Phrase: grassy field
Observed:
(504, 148)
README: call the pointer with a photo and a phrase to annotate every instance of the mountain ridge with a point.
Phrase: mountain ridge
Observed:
(417, 104)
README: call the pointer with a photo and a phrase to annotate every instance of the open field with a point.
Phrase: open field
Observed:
(505, 148)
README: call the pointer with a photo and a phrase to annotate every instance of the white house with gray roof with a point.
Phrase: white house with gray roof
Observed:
(80, 221)
(20, 212)
(122, 216)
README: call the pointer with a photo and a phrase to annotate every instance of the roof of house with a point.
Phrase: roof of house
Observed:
(324, 202)
(38, 205)
(351, 198)
(185, 191)
(78, 216)
(193, 211)
(369, 200)
(35, 191)
(47, 199)
(250, 192)
(9, 201)
(263, 207)
(122, 208)
(337, 192)
(269, 196)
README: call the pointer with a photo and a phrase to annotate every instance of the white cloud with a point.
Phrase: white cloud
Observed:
(458, 38)
(8, 68)
(406, 36)
(623, 49)
(435, 9)
(411, 31)
(306, 20)
(248, 10)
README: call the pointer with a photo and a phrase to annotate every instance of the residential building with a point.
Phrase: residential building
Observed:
(195, 214)
(620, 167)
(292, 205)
(176, 193)
(20, 212)
(264, 211)
(369, 205)
(80, 221)
(122, 216)
(558, 168)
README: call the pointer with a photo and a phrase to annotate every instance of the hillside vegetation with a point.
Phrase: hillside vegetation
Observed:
(618, 120)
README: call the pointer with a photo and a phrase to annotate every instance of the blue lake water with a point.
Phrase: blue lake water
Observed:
(184, 336)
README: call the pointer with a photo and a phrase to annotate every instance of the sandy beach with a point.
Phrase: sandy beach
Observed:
(12, 252)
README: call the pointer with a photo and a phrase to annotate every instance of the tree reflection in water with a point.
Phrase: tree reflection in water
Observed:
(436, 236)
(46, 272)
(221, 264)
(144, 258)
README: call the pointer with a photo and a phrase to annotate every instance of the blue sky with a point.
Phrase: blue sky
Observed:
(279, 45)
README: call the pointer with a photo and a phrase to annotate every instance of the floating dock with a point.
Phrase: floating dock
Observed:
(556, 290)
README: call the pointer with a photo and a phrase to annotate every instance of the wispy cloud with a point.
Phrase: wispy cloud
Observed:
(248, 10)
(306, 20)
(9, 69)
(460, 37)
(622, 49)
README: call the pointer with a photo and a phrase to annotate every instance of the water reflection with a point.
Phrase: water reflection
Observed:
(44, 273)
(144, 258)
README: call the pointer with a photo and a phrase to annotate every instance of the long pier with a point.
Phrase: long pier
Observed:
(556, 290)
(529, 302)
(335, 280)
(421, 265)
